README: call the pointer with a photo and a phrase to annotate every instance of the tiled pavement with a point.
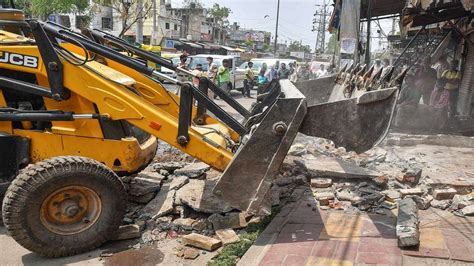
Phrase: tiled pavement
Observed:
(303, 235)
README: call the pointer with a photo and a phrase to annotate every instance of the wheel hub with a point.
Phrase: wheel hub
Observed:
(70, 210)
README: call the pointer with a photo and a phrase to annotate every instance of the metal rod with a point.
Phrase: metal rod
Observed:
(276, 28)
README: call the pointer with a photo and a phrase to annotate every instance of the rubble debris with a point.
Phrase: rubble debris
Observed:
(162, 204)
(128, 231)
(234, 220)
(283, 180)
(144, 183)
(334, 167)
(392, 195)
(202, 242)
(184, 223)
(321, 182)
(194, 170)
(423, 203)
(190, 253)
(297, 149)
(197, 194)
(227, 236)
(468, 211)
(410, 176)
(388, 205)
(460, 201)
(444, 194)
(143, 199)
(178, 182)
(168, 166)
(411, 191)
(407, 223)
(440, 204)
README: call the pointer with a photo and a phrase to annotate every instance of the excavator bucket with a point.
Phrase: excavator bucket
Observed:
(275, 123)
(355, 118)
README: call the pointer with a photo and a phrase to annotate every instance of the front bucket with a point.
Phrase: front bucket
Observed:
(247, 179)
(355, 123)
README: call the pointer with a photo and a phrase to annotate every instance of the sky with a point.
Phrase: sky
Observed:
(295, 22)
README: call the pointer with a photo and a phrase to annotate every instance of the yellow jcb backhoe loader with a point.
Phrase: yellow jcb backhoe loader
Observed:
(75, 113)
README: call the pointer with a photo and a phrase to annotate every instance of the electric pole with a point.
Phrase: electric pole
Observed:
(276, 29)
(154, 34)
(319, 26)
(139, 33)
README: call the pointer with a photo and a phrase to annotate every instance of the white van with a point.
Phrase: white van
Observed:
(236, 78)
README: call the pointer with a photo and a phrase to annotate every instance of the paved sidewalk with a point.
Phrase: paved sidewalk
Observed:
(301, 234)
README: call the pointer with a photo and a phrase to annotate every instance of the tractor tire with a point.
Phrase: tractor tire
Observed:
(64, 206)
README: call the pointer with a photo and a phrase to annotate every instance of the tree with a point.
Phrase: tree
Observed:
(332, 43)
(44, 8)
(219, 13)
(265, 47)
(129, 13)
(296, 46)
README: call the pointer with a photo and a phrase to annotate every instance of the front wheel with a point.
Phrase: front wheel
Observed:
(64, 206)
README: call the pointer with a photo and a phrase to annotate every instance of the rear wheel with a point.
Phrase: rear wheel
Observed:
(64, 206)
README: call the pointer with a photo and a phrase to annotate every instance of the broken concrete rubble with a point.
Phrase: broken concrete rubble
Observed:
(194, 170)
(407, 223)
(197, 194)
(440, 204)
(444, 194)
(178, 182)
(227, 236)
(461, 201)
(410, 176)
(468, 211)
(161, 205)
(411, 191)
(337, 168)
(234, 220)
(202, 242)
(129, 231)
(145, 183)
(168, 166)
(321, 182)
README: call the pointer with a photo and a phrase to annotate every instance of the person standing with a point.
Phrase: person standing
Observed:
(271, 74)
(452, 78)
(321, 71)
(283, 72)
(425, 80)
(248, 81)
(181, 76)
(197, 74)
(224, 76)
(262, 79)
(210, 60)
(441, 66)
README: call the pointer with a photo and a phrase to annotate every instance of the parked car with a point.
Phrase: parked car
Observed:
(237, 77)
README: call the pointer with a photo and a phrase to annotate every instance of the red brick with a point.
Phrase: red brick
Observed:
(324, 248)
(378, 258)
(371, 240)
(292, 260)
(290, 249)
(272, 259)
(346, 251)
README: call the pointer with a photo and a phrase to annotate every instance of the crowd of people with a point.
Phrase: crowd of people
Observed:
(436, 86)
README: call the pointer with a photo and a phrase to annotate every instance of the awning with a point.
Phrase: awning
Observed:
(193, 45)
(228, 48)
(381, 7)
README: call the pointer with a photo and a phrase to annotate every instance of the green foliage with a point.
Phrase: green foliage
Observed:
(249, 43)
(332, 44)
(219, 13)
(265, 47)
(231, 253)
(44, 8)
(296, 46)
